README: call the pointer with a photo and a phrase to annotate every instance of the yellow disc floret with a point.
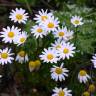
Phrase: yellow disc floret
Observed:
(82, 73)
(4, 55)
(61, 93)
(10, 34)
(19, 17)
(61, 34)
(50, 56)
(50, 25)
(22, 53)
(58, 70)
(66, 51)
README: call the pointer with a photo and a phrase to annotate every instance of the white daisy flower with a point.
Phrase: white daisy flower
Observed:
(22, 57)
(61, 33)
(61, 92)
(42, 16)
(38, 31)
(59, 73)
(19, 15)
(21, 39)
(66, 51)
(51, 24)
(83, 76)
(69, 35)
(49, 55)
(94, 60)
(76, 21)
(6, 56)
(57, 44)
(9, 35)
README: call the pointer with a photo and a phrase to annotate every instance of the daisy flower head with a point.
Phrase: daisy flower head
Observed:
(32, 66)
(92, 88)
(6, 56)
(86, 93)
(21, 39)
(51, 24)
(42, 16)
(76, 21)
(67, 50)
(18, 15)
(49, 55)
(83, 76)
(69, 35)
(59, 73)
(38, 31)
(61, 33)
(57, 44)
(22, 57)
(9, 35)
(94, 60)
(61, 92)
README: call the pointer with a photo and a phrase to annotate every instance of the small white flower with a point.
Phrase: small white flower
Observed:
(59, 73)
(6, 56)
(49, 55)
(22, 57)
(21, 38)
(57, 44)
(9, 35)
(61, 33)
(94, 60)
(42, 16)
(61, 92)
(38, 31)
(51, 24)
(76, 21)
(83, 76)
(66, 51)
(19, 15)
(69, 35)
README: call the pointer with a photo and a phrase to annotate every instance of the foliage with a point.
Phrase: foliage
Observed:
(85, 42)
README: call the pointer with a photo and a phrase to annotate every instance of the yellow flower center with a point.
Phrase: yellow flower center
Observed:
(92, 88)
(22, 39)
(4, 55)
(32, 64)
(58, 46)
(51, 25)
(86, 94)
(39, 30)
(19, 17)
(82, 73)
(58, 71)
(38, 63)
(10, 34)
(66, 51)
(76, 21)
(22, 53)
(61, 93)
(44, 18)
(61, 34)
(50, 56)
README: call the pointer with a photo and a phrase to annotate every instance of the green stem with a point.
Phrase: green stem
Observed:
(28, 6)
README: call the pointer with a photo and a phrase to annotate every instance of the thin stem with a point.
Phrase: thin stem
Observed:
(28, 6)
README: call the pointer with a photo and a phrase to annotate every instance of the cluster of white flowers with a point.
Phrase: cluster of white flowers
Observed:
(13, 35)
(60, 50)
